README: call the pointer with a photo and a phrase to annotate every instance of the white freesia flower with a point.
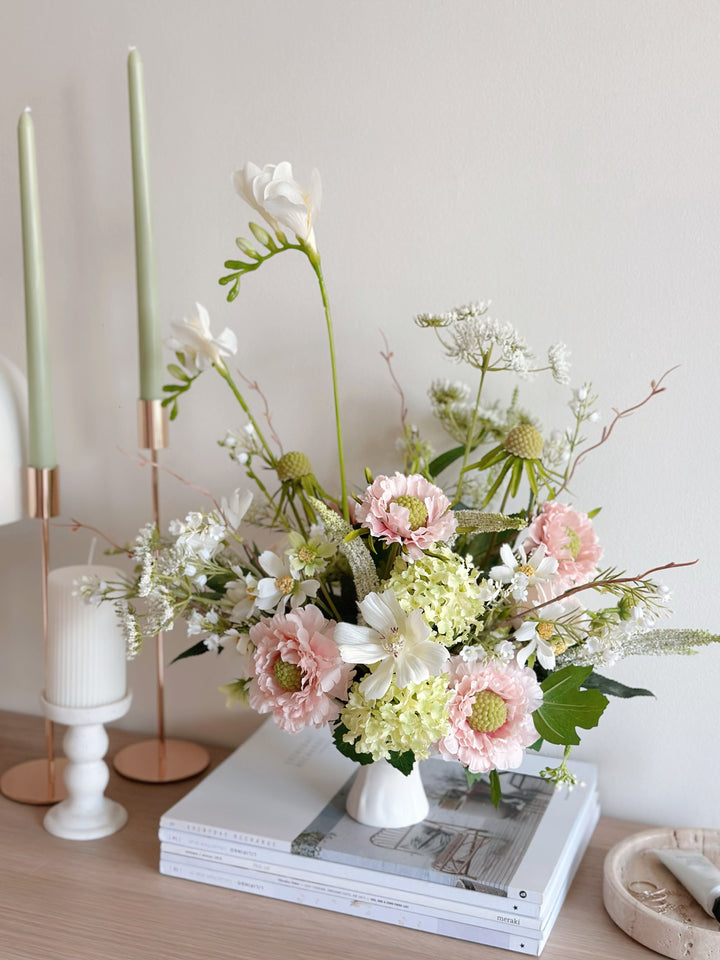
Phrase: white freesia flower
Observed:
(273, 592)
(195, 341)
(234, 509)
(397, 642)
(279, 198)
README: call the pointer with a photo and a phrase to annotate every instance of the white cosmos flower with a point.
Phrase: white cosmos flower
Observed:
(527, 633)
(242, 594)
(195, 341)
(397, 642)
(279, 198)
(273, 592)
(526, 571)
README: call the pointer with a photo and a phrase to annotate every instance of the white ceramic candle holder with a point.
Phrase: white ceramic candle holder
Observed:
(87, 814)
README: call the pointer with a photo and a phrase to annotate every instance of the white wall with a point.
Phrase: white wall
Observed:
(561, 158)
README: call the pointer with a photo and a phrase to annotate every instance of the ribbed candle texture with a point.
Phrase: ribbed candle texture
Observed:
(86, 662)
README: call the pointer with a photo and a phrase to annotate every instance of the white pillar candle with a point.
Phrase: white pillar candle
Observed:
(86, 659)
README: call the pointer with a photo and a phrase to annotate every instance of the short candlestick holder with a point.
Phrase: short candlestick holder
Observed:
(40, 781)
(87, 814)
(159, 760)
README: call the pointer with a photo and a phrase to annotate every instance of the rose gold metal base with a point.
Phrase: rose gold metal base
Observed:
(161, 761)
(35, 781)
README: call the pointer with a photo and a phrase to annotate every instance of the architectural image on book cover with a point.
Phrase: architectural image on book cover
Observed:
(464, 841)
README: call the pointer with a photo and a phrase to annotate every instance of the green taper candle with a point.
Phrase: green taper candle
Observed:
(151, 367)
(41, 436)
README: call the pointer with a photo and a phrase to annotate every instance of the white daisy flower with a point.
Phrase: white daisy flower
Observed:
(273, 592)
(524, 572)
(530, 633)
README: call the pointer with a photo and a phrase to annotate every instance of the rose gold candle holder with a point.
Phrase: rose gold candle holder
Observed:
(40, 781)
(158, 760)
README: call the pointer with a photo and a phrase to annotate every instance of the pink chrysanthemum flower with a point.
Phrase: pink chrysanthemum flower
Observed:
(408, 510)
(490, 714)
(298, 670)
(569, 537)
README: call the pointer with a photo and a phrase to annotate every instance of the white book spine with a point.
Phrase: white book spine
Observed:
(465, 901)
(354, 889)
(261, 884)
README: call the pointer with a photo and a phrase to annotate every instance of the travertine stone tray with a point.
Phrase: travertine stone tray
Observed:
(650, 905)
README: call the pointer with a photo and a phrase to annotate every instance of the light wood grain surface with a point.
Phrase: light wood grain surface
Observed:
(105, 900)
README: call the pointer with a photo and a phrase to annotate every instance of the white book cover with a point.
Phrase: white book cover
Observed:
(508, 914)
(287, 793)
(261, 884)
(381, 905)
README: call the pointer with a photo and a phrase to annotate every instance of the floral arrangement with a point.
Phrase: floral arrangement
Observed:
(442, 608)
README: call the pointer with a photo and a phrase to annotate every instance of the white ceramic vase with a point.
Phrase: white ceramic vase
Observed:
(381, 796)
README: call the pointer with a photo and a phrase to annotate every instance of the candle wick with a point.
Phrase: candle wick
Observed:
(91, 554)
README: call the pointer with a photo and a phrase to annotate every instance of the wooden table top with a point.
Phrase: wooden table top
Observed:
(105, 899)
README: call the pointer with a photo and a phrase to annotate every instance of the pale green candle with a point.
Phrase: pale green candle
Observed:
(41, 437)
(151, 365)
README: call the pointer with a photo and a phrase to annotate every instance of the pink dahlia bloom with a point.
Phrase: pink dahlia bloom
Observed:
(503, 748)
(569, 537)
(298, 669)
(408, 510)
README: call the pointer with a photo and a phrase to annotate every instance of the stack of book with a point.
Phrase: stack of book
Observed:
(271, 820)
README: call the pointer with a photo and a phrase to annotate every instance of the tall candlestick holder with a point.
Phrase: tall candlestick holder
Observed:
(40, 781)
(159, 760)
(86, 814)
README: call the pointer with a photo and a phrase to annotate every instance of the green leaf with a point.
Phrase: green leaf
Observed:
(348, 749)
(516, 476)
(532, 478)
(496, 486)
(194, 651)
(472, 778)
(403, 762)
(594, 513)
(495, 788)
(565, 706)
(443, 461)
(492, 457)
(614, 688)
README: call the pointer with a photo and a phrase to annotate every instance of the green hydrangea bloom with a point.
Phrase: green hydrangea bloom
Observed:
(444, 586)
(408, 718)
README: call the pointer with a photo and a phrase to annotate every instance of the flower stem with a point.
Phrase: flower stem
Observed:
(473, 424)
(225, 374)
(314, 258)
